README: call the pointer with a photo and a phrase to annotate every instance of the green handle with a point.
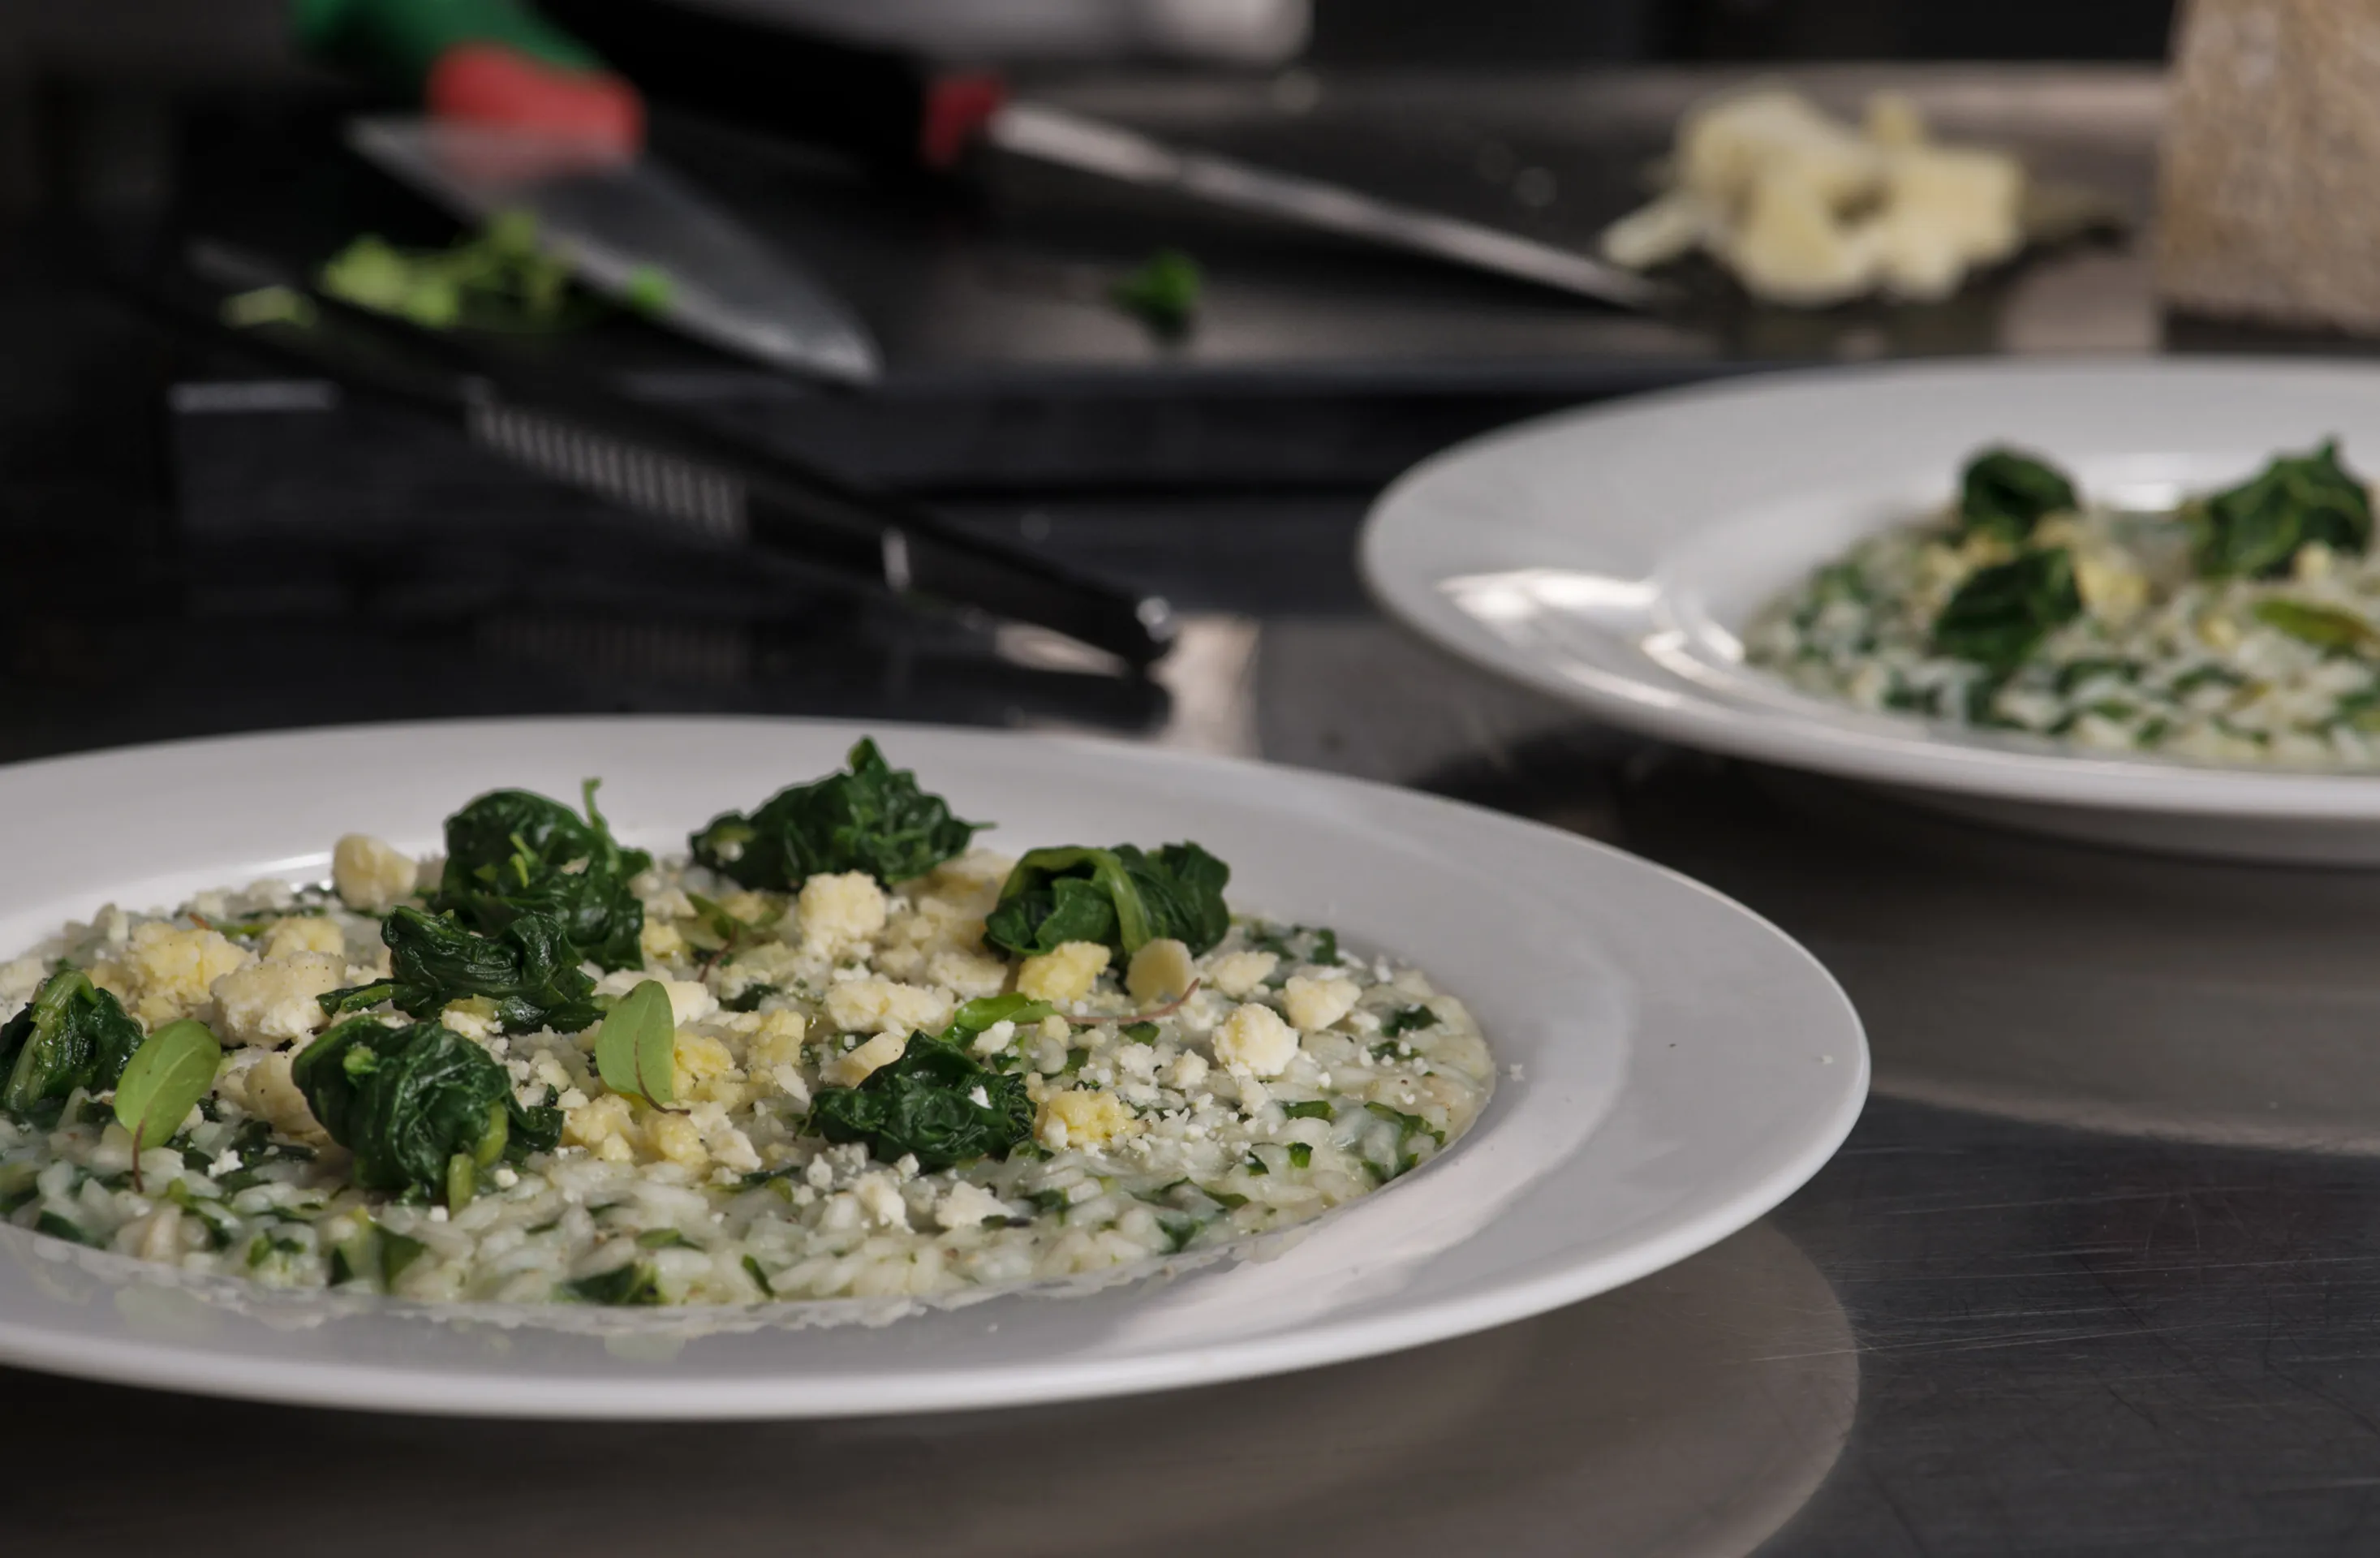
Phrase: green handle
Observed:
(398, 42)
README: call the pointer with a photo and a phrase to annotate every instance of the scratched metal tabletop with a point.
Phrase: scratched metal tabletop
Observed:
(2097, 1272)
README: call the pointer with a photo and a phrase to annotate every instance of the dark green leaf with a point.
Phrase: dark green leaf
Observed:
(1119, 898)
(2004, 494)
(759, 1278)
(1408, 1122)
(871, 818)
(1408, 1019)
(407, 1102)
(2001, 613)
(748, 999)
(73, 1035)
(664, 1238)
(57, 1227)
(635, 1284)
(934, 1102)
(2256, 529)
(1301, 1154)
(1140, 1032)
(529, 968)
(1231, 1200)
(398, 1251)
(1049, 1200)
(510, 853)
(2325, 627)
(1308, 1109)
(1253, 1164)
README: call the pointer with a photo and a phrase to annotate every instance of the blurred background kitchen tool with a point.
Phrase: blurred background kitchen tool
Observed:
(689, 476)
(525, 118)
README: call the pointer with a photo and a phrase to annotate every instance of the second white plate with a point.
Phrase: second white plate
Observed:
(1611, 557)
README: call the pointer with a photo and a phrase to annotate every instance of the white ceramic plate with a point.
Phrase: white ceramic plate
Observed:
(1611, 557)
(1681, 1067)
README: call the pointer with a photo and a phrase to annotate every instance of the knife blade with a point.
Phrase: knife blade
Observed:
(891, 108)
(1092, 146)
(617, 220)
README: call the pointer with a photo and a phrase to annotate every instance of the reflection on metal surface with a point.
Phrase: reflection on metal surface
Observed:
(1692, 1412)
(1211, 676)
(2050, 980)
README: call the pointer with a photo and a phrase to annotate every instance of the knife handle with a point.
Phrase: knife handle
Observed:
(485, 61)
(889, 109)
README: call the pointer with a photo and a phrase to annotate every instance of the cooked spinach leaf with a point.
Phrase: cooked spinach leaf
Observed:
(1307, 1109)
(934, 1102)
(73, 1035)
(510, 853)
(1407, 1019)
(871, 818)
(2256, 529)
(2001, 613)
(2325, 627)
(1119, 898)
(529, 969)
(748, 999)
(1301, 1154)
(409, 1102)
(2004, 494)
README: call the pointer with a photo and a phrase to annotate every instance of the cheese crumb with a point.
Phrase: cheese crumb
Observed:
(1255, 1039)
(1316, 1003)
(1082, 1118)
(1238, 973)
(302, 932)
(839, 913)
(1160, 970)
(886, 1007)
(370, 874)
(854, 1067)
(1065, 973)
(966, 1205)
(273, 1003)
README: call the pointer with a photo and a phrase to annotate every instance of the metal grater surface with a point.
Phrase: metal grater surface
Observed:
(659, 485)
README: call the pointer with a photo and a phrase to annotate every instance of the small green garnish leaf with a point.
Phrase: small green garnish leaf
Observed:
(759, 1278)
(1407, 1019)
(1301, 1154)
(664, 1238)
(988, 1011)
(1231, 1200)
(1307, 1109)
(636, 1050)
(649, 290)
(1140, 1032)
(2001, 613)
(1253, 1164)
(1163, 292)
(2004, 494)
(636, 1284)
(163, 1083)
(269, 305)
(2325, 627)
(495, 279)
(748, 999)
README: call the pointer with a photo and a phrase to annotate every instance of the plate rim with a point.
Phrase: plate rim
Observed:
(1943, 757)
(380, 1387)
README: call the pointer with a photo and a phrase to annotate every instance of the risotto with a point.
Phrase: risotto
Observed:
(2237, 627)
(834, 1051)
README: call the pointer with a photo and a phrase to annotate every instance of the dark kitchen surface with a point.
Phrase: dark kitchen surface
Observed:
(2099, 1271)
